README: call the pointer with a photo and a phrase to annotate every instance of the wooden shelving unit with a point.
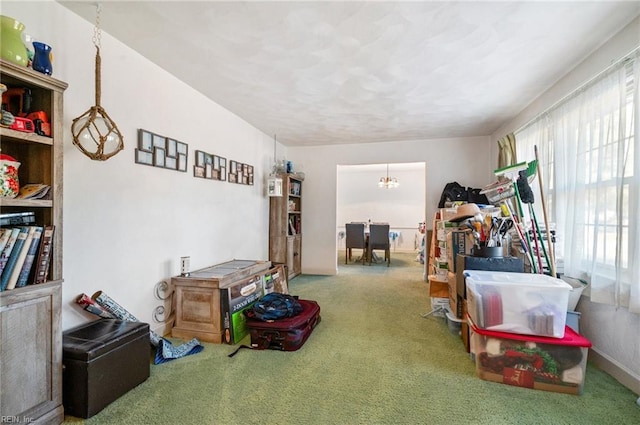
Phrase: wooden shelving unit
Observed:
(285, 225)
(31, 331)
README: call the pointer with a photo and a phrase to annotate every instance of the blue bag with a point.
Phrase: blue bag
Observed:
(274, 306)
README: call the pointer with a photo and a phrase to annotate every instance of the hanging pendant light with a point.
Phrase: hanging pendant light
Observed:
(94, 132)
(388, 182)
(274, 181)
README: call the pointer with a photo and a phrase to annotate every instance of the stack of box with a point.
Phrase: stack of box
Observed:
(438, 274)
(519, 334)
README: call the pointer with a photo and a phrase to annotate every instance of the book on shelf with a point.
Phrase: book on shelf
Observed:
(4, 238)
(6, 252)
(292, 226)
(44, 255)
(18, 218)
(27, 267)
(13, 257)
(33, 191)
(22, 255)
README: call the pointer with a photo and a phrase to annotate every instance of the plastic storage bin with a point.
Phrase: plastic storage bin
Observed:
(541, 363)
(573, 320)
(523, 303)
(454, 324)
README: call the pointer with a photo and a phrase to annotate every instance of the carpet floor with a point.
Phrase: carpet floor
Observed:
(373, 359)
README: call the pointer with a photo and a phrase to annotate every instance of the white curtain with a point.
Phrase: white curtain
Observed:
(590, 162)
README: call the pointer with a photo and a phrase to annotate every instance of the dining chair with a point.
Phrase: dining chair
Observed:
(355, 239)
(379, 240)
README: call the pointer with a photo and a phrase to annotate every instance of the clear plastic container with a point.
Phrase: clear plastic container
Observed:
(541, 363)
(522, 303)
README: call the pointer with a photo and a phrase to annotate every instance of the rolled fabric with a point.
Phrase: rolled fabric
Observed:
(165, 350)
(119, 312)
(113, 307)
(90, 306)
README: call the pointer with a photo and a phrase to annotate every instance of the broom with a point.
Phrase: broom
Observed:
(511, 172)
(528, 198)
(544, 213)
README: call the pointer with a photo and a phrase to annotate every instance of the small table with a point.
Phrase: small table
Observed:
(374, 257)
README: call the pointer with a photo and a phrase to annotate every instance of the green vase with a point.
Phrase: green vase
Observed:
(11, 46)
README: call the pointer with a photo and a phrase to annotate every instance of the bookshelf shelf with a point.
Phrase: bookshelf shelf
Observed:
(31, 332)
(285, 225)
(20, 136)
(26, 203)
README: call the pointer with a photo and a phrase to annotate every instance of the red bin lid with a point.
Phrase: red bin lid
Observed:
(571, 337)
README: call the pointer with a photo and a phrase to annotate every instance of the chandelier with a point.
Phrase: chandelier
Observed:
(388, 182)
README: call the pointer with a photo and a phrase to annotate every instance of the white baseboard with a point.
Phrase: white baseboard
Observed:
(613, 368)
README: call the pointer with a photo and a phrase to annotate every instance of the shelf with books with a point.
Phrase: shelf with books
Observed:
(39, 155)
(31, 335)
(285, 225)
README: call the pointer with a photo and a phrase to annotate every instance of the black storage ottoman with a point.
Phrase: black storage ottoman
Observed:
(102, 360)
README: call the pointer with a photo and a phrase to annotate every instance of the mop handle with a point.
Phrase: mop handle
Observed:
(544, 213)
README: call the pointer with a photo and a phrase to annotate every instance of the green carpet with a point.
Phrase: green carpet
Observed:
(372, 360)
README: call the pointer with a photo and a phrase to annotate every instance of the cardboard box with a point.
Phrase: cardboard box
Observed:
(458, 242)
(438, 288)
(455, 301)
(234, 300)
(275, 280)
(469, 262)
(464, 334)
(541, 363)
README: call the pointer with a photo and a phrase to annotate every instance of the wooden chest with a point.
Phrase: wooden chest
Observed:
(198, 297)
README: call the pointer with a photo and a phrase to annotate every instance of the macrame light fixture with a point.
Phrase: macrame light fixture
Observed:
(94, 132)
(388, 182)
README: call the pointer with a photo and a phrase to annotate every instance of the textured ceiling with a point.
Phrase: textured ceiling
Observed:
(352, 72)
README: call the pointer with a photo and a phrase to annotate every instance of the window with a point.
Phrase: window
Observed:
(589, 162)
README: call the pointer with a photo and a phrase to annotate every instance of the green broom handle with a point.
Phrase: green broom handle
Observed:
(539, 234)
(516, 224)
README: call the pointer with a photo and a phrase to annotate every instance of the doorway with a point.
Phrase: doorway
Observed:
(361, 199)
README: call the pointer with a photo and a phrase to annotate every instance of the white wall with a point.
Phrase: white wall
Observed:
(126, 225)
(613, 332)
(360, 199)
(465, 160)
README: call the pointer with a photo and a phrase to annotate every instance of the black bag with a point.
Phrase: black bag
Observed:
(453, 192)
(274, 306)
(475, 197)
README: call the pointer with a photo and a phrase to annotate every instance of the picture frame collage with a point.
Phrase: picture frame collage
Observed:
(160, 151)
(210, 166)
(165, 152)
(240, 173)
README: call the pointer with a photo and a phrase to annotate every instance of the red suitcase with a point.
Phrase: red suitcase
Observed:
(285, 334)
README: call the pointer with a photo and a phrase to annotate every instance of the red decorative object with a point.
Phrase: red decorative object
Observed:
(23, 124)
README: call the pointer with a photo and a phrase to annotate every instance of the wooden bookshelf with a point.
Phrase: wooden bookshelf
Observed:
(285, 225)
(31, 332)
